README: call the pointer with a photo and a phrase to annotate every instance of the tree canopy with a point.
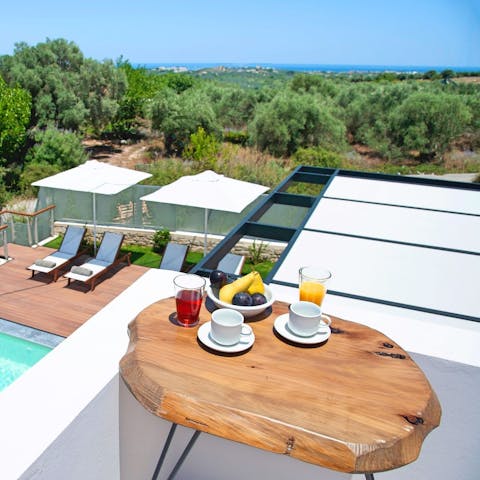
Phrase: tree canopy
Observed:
(51, 96)
(68, 91)
(15, 105)
(179, 115)
(293, 120)
(428, 122)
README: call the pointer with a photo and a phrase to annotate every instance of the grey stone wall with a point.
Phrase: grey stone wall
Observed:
(134, 236)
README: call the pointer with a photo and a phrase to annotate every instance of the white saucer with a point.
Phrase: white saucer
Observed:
(203, 335)
(282, 329)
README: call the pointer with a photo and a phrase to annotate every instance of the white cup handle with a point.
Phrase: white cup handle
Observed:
(246, 331)
(327, 321)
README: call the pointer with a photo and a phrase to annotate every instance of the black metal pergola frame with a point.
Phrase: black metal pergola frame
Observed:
(251, 226)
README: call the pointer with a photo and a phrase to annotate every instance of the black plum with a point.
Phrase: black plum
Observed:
(242, 299)
(218, 279)
(258, 299)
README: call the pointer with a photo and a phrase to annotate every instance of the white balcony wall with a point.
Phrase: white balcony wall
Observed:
(72, 417)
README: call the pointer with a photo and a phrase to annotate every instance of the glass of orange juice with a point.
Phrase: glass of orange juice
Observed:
(313, 284)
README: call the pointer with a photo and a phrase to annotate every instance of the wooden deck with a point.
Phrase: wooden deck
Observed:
(53, 306)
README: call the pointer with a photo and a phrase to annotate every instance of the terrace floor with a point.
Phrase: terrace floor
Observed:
(52, 306)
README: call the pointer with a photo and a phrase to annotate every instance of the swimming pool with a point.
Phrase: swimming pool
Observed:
(20, 348)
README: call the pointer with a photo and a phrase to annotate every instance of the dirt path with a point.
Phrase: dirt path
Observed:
(122, 155)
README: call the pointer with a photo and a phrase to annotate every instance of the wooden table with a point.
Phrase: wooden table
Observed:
(357, 403)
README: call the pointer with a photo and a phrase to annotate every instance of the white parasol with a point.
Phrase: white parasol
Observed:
(96, 178)
(210, 191)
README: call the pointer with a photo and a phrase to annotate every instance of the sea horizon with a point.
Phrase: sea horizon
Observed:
(303, 67)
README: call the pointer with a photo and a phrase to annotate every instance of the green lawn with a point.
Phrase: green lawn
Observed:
(146, 257)
(139, 255)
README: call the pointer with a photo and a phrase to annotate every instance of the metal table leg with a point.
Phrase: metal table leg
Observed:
(186, 451)
(182, 458)
(184, 455)
(164, 451)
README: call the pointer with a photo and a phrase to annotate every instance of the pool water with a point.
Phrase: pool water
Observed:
(17, 356)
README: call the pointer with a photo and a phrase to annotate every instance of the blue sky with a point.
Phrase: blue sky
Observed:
(402, 32)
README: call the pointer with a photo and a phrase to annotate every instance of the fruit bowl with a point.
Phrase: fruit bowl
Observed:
(247, 312)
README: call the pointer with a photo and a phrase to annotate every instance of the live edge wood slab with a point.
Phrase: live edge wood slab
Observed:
(357, 403)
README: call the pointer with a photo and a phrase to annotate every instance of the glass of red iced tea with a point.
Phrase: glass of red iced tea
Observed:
(189, 290)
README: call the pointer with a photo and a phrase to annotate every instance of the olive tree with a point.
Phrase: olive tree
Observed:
(178, 116)
(427, 122)
(293, 120)
(143, 85)
(234, 106)
(68, 91)
(367, 108)
(314, 83)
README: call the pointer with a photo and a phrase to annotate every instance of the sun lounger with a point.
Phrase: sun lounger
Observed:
(174, 256)
(69, 250)
(231, 263)
(107, 257)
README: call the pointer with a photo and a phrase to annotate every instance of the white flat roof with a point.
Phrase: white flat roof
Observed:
(425, 227)
(406, 194)
(421, 277)
(412, 245)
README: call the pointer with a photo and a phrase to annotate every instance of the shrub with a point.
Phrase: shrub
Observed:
(4, 196)
(203, 149)
(15, 105)
(160, 240)
(35, 171)
(317, 157)
(167, 170)
(250, 165)
(57, 147)
(256, 252)
(238, 137)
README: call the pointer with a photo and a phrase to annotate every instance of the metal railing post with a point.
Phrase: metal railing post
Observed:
(12, 227)
(3, 230)
(29, 232)
(52, 222)
(5, 244)
(35, 229)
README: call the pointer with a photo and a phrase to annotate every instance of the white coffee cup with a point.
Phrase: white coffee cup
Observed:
(228, 327)
(305, 319)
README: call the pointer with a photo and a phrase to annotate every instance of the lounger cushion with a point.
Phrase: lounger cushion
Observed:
(82, 271)
(45, 263)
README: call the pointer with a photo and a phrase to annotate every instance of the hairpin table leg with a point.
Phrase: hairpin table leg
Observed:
(183, 456)
(164, 451)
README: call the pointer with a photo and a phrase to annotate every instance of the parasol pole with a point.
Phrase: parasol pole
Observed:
(205, 229)
(94, 225)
